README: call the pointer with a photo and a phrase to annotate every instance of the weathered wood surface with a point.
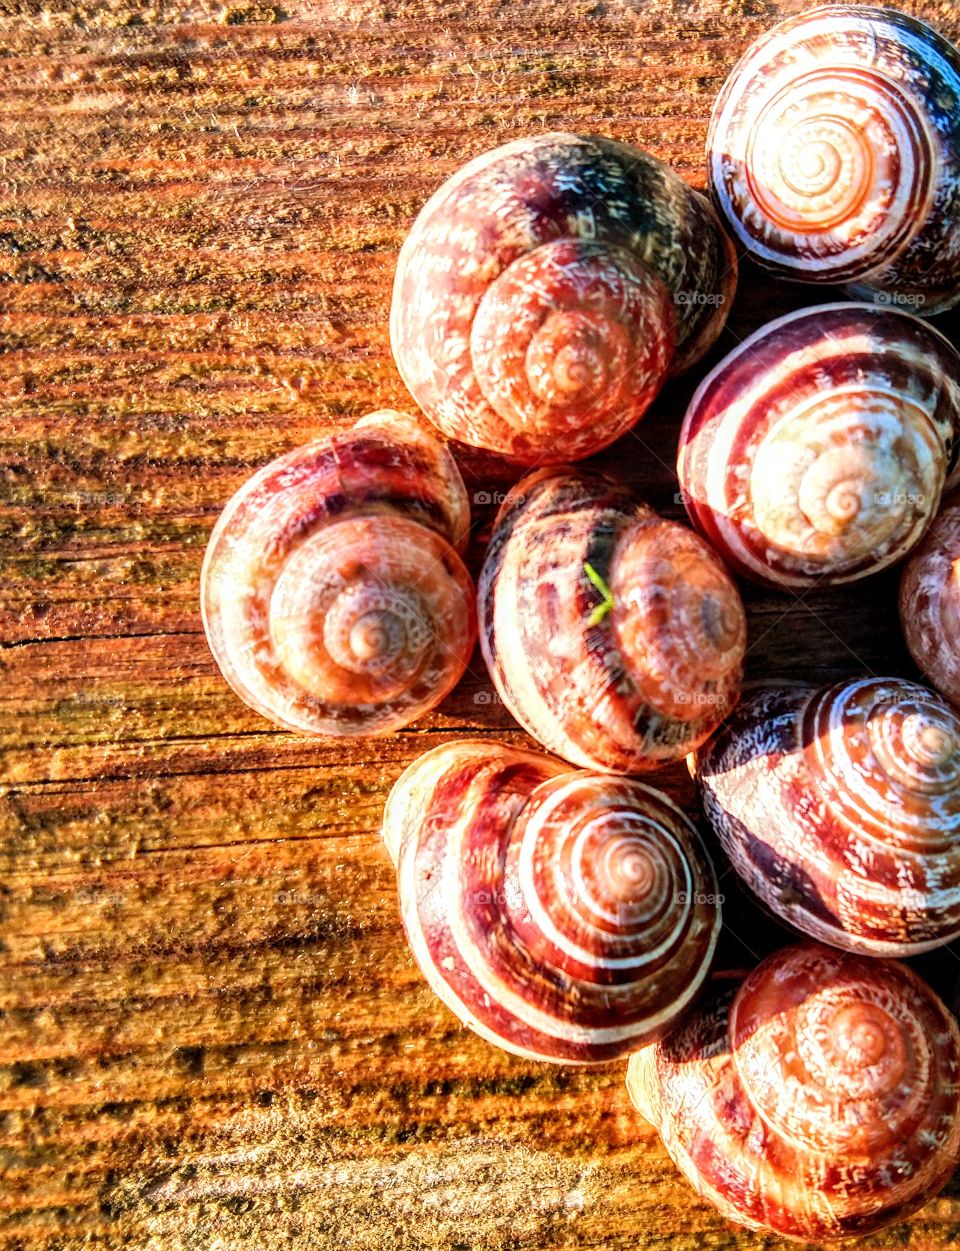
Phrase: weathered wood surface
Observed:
(212, 1035)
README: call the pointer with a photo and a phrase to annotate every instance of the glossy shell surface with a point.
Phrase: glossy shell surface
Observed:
(562, 915)
(615, 638)
(834, 154)
(840, 809)
(827, 1095)
(930, 602)
(818, 450)
(334, 598)
(547, 290)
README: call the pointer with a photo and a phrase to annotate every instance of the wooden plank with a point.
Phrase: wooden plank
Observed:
(211, 1032)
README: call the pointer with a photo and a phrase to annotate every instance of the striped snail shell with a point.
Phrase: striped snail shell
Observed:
(334, 598)
(547, 290)
(826, 1091)
(840, 809)
(817, 451)
(615, 638)
(562, 915)
(834, 154)
(930, 602)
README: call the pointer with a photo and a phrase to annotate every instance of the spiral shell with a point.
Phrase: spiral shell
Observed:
(561, 915)
(834, 154)
(548, 288)
(614, 637)
(930, 602)
(817, 451)
(827, 1095)
(333, 596)
(840, 809)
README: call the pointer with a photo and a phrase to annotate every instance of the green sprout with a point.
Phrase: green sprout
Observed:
(606, 603)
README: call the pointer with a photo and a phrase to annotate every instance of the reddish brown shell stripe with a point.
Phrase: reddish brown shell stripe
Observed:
(333, 596)
(625, 683)
(840, 809)
(827, 1095)
(547, 289)
(817, 451)
(834, 154)
(561, 915)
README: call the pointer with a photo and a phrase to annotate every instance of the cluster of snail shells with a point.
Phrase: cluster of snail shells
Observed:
(834, 154)
(542, 298)
(333, 592)
(547, 291)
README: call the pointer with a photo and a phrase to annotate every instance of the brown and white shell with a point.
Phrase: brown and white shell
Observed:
(334, 597)
(547, 290)
(820, 1100)
(834, 154)
(840, 809)
(930, 602)
(818, 450)
(562, 915)
(615, 637)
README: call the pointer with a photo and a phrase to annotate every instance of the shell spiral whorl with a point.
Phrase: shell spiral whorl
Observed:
(562, 915)
(840, 809)
(930, 602)
(622, 683)
(548, 288)
(562, 338)
(834, 154)
(333, 596)
(817, 451)
(827, 1091)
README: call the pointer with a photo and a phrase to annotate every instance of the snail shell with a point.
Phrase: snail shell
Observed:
(561, 915)
(548, 288)
(615, 638)
(817, 451)
(930, 602)
(333, 595)
(840, 809)
(826, 1092)
(834, 154)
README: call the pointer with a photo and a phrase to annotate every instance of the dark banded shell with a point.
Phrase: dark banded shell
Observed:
(817, 451)
(930, 602)
(826, 1092)
(840, 809)
(334, 597)
(547, 290)
(626, 678)
(563, 916)
(834, 154)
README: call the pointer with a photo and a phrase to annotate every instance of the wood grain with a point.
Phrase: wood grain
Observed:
(212, 1035)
